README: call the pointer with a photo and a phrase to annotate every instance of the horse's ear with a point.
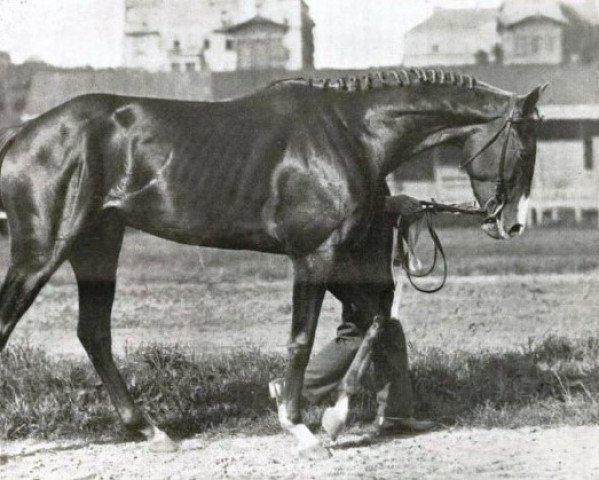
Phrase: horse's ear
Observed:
(531, 100)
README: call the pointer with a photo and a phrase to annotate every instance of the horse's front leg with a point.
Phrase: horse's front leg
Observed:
(308, 293)
(335, 417)
(373, 305)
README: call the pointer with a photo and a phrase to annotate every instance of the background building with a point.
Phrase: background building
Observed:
(452, 37)
(518, 32)
(218, 35)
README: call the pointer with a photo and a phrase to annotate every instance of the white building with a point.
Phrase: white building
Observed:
(452, 37)
(519, 32)
(217, 35)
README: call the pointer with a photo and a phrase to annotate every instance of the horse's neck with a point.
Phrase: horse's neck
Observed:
(396, 123)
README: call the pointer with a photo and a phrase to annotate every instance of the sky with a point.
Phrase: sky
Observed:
(348, 33)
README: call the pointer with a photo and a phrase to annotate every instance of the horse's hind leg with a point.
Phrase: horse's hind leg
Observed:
(94, 258)
(22, 284)
(33, 260)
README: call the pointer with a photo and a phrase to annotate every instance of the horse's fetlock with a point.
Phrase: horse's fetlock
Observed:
(289, 416)
(132, 419)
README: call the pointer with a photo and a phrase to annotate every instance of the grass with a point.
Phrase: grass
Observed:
(469, 252)
(555, 381)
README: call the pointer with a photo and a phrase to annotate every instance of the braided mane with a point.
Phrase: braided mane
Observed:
(389, 78)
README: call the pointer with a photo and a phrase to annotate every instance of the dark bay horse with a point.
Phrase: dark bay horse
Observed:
(297, 168)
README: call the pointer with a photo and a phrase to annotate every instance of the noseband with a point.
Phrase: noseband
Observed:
(495, 204)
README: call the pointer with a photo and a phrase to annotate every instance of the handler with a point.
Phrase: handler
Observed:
(390, 359)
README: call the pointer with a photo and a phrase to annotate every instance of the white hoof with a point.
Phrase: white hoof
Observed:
(332, 423)
(308, 445)
(160, 442)
(334, 418)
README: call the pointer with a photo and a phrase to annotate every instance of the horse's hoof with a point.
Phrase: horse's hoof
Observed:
(160, 442)
(314, 452)
(333, 422)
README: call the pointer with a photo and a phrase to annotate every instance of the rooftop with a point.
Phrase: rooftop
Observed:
(459, 18)
(257, 20)
(516, 11)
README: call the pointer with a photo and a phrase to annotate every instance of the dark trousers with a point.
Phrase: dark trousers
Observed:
(390, 360)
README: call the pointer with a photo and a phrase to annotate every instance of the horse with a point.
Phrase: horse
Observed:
(297, 168)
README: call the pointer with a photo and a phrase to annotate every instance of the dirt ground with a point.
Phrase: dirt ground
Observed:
(473, 313)
(555, 453)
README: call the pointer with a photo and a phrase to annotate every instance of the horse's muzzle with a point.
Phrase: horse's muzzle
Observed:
(491, 227)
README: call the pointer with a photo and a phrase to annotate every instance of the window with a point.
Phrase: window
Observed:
(588, 154)
(535, 44)
(550, 44)
(435, 48)
(228, 44)
(190, 67)
(175, 67)
(206, 44)
(520, 46)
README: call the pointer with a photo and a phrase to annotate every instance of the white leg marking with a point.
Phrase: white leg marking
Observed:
(523, 211)
(334, 418)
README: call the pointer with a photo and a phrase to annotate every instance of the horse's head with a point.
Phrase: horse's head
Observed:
(500, 160)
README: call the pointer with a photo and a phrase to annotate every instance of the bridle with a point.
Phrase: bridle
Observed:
(496, 204)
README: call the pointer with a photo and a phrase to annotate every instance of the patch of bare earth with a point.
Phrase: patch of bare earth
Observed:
(556, 453)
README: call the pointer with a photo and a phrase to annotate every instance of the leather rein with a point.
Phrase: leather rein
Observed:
(426, 209)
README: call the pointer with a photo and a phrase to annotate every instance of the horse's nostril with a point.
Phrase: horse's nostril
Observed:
(516, 229)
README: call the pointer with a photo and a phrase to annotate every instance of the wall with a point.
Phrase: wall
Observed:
(533, 41)
(560, 177)
(143, 46)
(454, 47)
(145, 51)
(217, 56)
(49, 89)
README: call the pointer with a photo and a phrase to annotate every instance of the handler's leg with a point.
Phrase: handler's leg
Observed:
(392, 371)
(327, 368)
(337, 368)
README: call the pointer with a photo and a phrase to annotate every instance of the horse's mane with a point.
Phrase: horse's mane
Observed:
(389, 78)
